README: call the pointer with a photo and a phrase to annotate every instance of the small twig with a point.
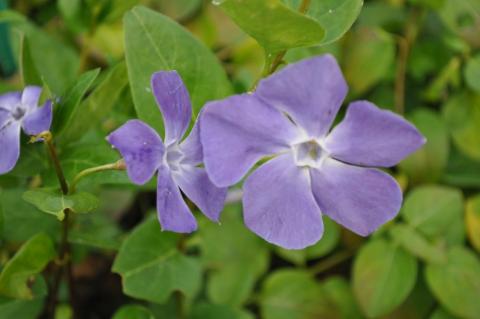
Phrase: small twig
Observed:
(405, 44)
(331, 261)
(403, 49)
(47, 139)
(64, 254)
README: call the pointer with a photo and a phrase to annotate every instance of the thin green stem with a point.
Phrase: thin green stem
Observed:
(64, 261)
(331, 261)
(48, 140)
(405, 44)
(118, 166)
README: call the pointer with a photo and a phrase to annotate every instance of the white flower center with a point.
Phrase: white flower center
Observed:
(18, 112)
(174, 157)
(309, 153)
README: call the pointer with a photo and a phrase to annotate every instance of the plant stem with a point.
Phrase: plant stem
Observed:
(47, 138)
(64, 255)
(272, 64)
(331, 261)
(405, 43)
(118, 165)
(304, 6)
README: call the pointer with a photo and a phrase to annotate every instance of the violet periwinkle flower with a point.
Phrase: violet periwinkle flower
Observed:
(20, 110)
(175, 161)
(312, 171)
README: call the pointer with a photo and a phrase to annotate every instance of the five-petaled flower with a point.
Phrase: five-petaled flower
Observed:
(175, 161)
(20, 110)
(313, 170)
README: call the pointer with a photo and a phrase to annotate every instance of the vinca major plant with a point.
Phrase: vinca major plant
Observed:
(239, 159)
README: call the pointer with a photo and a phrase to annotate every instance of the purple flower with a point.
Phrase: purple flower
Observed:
(20, 110)
(311, 170)
(176, 162)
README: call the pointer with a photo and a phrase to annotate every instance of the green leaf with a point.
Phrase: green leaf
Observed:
(34, 255)
(152, 268)
(449, 75)
(383, 277)
(55, 203)
(441, 314)
(382, 14)
(368, 57)
(455, 234)
(414, 242)
(457, 284)
(275, 26)
(71, 100)
(27, 66)
(17, 308)
(25, 309)
(462, 115)
(237, 258)
(22, 220)
(117, 9)
(335, 16)
(153, 43)
(472, 73)
(462, 17)
(133, 312)
(98, 105)
(97, 231)
(75, 14)
(431, 4)
(63, 311)
(429, 162)
(211, 311)
(55, 62)
(339, 292)
(462, 171)
(179, 10)
(418, 305)
(330, 239)
(293, 294)
(433, 209)
(472, 221)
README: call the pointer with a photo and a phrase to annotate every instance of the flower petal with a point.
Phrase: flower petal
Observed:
(9, 146)
(237, 132)
(38, 120)
(310, 91)
(279, 206)
(191, 146)
(30, 96)
(173, 213)
(361, 199)
(369, 136)
(141, 148)
(194, 182)
(174, 102)
(9, 100)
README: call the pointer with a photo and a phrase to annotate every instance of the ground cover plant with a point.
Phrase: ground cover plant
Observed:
(240, 159)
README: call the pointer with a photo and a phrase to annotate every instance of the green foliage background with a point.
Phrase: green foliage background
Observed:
(420, 58)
